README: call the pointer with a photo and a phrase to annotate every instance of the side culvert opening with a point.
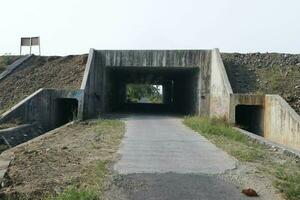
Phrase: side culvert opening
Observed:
(250, 118)
(66, 110)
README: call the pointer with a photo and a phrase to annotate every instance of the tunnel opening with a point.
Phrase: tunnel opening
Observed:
(250, 118)
(178, 87)
(144, 93)
(66, 110)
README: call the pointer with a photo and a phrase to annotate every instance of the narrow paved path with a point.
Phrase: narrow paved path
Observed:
(163, 159)
(163, 144)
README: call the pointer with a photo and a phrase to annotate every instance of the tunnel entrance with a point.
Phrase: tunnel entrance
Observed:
(178, 87)
(250, 118)
(66, 110)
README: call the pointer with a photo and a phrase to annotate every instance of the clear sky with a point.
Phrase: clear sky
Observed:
(74, 26)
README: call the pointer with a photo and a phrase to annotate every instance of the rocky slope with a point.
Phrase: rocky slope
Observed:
(41, 72)
(261, 73)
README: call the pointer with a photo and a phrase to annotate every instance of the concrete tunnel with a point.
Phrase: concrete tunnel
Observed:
(183, 75)
(179, 87)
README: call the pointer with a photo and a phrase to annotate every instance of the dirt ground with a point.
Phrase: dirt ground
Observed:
(265, 73)
(66, 156)
(41, 72)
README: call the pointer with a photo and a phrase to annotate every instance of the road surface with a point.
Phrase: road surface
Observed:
(160, 158)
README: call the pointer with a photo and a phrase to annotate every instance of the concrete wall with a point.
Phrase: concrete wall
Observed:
(95, 79)
(40, 107)
(220, 88)
(282, 123)
(20, 134)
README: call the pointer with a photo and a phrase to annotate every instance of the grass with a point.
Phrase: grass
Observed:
(73, 193)
(224, 136)
(95, 178)
(285, 175)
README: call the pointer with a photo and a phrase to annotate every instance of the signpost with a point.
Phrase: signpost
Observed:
(29, 42)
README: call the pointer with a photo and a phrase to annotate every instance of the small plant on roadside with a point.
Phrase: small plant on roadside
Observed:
(73, 193)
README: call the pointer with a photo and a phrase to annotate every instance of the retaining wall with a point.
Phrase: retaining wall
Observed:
(20, 134)
(220, 88)
(40, 107)
(282, 123)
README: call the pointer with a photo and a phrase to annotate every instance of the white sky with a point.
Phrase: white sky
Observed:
(74, 26)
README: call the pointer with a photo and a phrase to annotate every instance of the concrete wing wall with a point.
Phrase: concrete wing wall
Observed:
(91, 85)
(282, 123)
(220, 88)
(40, 107)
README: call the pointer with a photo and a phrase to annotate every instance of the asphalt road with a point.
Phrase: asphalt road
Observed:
(163, 159)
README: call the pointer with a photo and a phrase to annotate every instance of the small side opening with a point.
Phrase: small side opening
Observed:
(250, 118)
(66, 110)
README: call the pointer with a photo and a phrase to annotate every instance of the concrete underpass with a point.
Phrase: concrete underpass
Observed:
(179, 86)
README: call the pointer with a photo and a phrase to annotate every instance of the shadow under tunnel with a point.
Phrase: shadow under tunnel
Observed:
(250, 118)
(180, 86)
(66, 110)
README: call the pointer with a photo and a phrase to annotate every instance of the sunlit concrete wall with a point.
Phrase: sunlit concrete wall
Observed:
(220, 88)
(282, 123)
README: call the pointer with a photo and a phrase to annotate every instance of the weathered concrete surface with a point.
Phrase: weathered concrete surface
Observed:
(41, 107)
(22, 133)
(275, 145)
(160, 144)
(220, 88)
(282, 123)
(171, 186)
(96, 82)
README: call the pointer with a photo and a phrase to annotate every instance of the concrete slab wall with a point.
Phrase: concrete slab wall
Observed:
(282, 123)
(40, 107)
(20, 134)
(220, 88)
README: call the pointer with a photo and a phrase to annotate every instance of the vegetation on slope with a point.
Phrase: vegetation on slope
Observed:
(7, 60)
(41, 72)
(74, 162)
(283, 170)
(265, 73)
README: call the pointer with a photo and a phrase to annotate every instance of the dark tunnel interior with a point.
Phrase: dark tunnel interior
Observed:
(65, 111)
(179, 89)
(250, 118)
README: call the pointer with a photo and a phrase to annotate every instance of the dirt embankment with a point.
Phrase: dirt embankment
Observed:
(41, 72)
(262, 73)
(7, 60)
(77, 155)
